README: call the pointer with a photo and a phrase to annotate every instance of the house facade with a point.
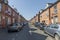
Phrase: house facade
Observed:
(51, 14)
(8, 15)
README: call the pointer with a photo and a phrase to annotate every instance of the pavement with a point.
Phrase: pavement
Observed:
(27, 33)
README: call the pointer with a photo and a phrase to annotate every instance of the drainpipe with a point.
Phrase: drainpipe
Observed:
(39, 17)
(49, 17)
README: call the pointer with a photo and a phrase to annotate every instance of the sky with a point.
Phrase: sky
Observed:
(29, 8)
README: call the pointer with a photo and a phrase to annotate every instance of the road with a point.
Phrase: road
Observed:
(27, 33)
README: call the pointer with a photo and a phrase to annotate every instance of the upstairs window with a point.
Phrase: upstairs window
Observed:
(13, 13)
(9, 11)
(0, 7)
(55, 9)
(47, 13)
(5, 1)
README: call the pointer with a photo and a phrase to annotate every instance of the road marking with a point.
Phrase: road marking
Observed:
(30, 32)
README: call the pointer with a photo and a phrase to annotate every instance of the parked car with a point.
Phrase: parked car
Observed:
(25, 24)
(40, 25)
(53, 30)
(37, 24)
(14, 27)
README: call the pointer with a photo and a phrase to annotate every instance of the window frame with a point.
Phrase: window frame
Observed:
(55, 26)
(55, 9)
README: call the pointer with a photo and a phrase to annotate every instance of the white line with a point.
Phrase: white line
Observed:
(30, 32)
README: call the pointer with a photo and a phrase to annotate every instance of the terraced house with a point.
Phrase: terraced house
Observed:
(51, 13)
(55, 12)
(8, 15)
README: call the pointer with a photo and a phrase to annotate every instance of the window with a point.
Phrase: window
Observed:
(9, 11)
(5, 1)
(13, 13)
(56, 19)
(13, 20)
(54, 26)
(55, 9)
(47, 13)
(9, 20)
(0, 7)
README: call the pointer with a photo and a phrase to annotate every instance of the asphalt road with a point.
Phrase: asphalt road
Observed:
(27, 33)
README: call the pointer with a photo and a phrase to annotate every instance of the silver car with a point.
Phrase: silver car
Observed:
(53, 30)
(14, 27)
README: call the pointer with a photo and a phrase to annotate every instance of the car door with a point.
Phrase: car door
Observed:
(53, 29)
(48, 29)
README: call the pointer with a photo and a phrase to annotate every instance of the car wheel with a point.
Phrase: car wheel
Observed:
(56, 37)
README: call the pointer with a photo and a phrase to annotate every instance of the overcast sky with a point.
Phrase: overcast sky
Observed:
(29, 8)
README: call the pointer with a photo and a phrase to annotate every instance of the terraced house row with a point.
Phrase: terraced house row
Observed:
(51, 14)
(8, 15)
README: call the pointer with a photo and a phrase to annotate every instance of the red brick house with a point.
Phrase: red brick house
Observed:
(8, 15)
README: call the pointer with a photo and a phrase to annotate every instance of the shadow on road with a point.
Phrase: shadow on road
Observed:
(37, 36)
(32, 29)
(22, 35)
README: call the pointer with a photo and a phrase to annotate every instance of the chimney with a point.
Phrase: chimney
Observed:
(41, 10)
(48, 4)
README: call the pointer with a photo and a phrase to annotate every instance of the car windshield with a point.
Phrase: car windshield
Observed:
(54, 26)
